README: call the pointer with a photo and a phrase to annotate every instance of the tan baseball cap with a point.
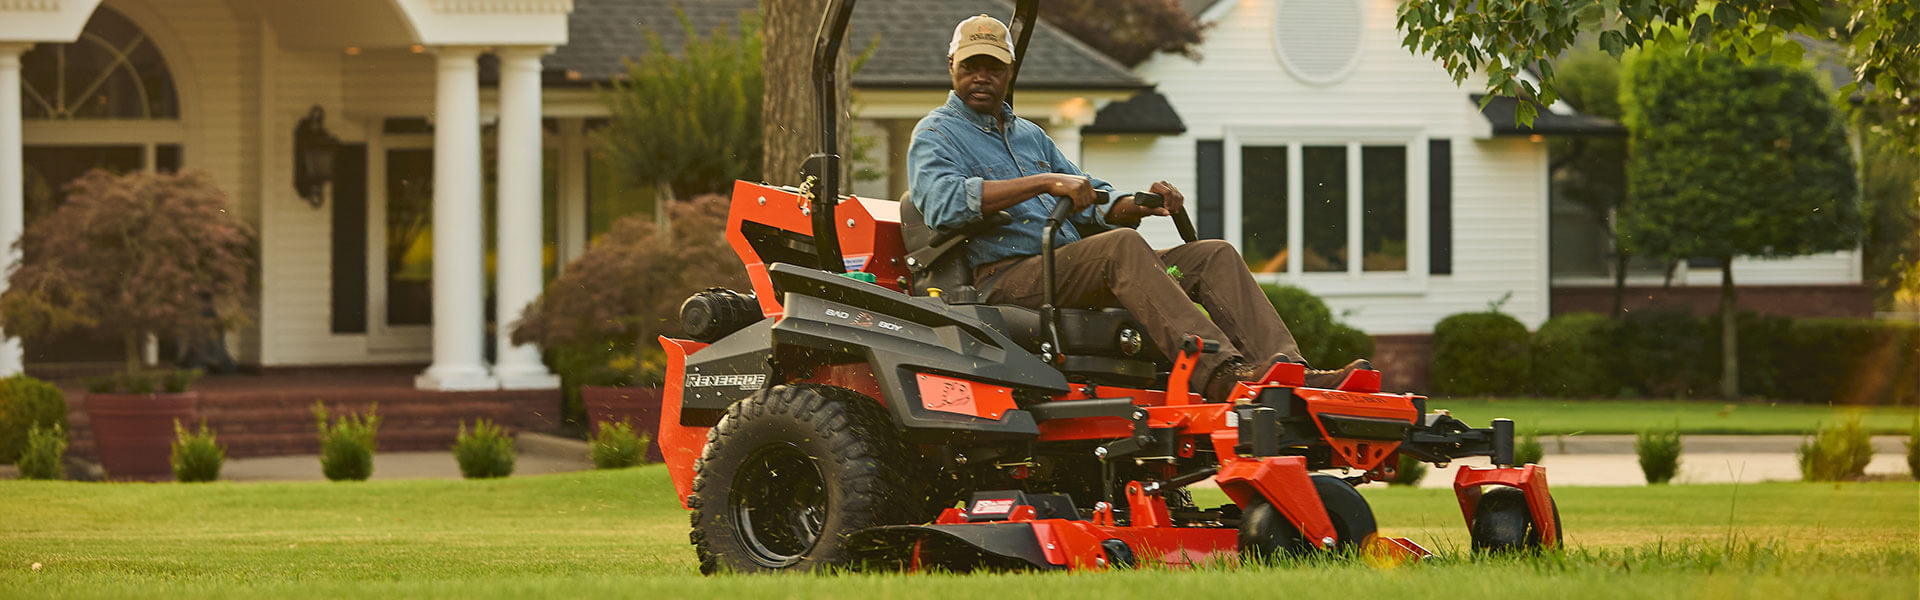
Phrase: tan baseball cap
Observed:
(980, 35)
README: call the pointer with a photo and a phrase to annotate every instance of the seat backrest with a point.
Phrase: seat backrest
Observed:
(947, 270)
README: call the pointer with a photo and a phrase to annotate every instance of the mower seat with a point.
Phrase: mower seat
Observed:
(1103, 345)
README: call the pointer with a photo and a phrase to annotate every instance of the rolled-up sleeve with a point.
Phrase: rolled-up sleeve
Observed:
(946, 194)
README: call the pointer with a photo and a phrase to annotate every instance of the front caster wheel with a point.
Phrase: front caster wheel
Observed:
(1502, 522)
(1266, 534)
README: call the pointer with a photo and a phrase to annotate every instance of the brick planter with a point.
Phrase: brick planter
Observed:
(639, 407)
(133, 433)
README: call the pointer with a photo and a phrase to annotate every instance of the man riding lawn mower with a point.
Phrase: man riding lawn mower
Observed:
(945, 383)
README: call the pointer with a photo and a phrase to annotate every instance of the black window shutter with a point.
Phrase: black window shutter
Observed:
(350, 239)
(1440, 207)
(1210, 177)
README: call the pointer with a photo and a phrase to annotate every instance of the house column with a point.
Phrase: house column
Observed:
(519, 191)
(1066, 136)
(458, 287)
(12, 185)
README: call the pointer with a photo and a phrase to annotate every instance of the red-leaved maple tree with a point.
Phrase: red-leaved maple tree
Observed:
(139, 253)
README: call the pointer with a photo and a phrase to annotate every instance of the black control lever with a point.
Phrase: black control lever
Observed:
(1180, 219)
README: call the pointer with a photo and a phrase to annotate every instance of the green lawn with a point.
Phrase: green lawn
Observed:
(621, 533)
(1560, 416)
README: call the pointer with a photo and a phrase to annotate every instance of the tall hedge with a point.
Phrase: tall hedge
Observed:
(1850, 361)
(1480, 354)
(1573, 356)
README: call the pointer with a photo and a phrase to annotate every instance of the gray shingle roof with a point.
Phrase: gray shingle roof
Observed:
(911, 38)
(1500, 111)
(1146, 112)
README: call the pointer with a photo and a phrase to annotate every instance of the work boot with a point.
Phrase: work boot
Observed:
(1331, 380)
(1234, 370)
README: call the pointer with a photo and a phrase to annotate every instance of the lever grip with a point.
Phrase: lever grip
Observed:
(1148, 200)
(1180, 219)
(1064, 206)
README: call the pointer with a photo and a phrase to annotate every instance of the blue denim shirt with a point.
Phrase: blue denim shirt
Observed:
(955, 149)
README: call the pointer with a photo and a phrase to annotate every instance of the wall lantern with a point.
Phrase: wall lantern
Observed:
(313, 150)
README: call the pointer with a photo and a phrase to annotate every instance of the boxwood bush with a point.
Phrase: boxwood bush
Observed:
(1480, 354)
(1837, 453)
(1850, 361)
(46, 453)
(485, 452)
(1325, 342)
(26, 403)
(346, 448)
(196, 455)
(1572, 356)
(1659, 453)
(616, 446)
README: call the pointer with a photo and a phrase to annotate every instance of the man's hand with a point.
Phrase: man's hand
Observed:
(1071, 187)
(1126, 212)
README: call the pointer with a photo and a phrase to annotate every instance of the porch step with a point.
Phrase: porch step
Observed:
(259, 419)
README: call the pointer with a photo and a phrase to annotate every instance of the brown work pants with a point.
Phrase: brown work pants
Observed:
(1118, 268)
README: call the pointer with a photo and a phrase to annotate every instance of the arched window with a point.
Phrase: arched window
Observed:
(112, 72)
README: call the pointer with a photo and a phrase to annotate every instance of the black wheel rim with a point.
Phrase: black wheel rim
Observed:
(779, 505)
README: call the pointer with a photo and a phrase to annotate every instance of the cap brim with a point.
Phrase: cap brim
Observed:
(972, 50)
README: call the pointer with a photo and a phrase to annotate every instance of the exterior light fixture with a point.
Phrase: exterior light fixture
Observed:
(313, 150)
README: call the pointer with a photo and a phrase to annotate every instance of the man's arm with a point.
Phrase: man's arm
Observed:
(949, 196)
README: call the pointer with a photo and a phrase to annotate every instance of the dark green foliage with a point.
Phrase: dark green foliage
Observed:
(1528, 450)
(1344, 345)
(1572, 356)
(1913, 451)
(1324, 342)
(616, 446)
(1736, 160)
(1766, 355)
(689, 118)
(1480, 354)
(346, 448)
(1890, 191)
(1659, 452)
(1409, 471)
(144, 381)
(196, 455)
(26, 403)
(485, 452)
(1850, 361)
(45, 454)
(1837, 453)
(1662, 354)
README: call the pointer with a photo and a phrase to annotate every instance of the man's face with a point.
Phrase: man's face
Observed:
(981, 82)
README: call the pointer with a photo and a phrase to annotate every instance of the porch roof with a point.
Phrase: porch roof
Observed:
(909, 37)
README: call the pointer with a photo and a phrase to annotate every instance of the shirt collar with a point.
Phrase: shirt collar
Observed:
(961, 110)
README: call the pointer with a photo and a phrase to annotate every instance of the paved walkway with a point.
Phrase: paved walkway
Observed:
(1605, 460)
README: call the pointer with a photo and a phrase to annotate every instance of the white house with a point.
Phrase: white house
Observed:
(1335, 158)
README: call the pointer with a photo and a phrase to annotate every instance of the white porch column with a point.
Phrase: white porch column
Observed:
(1066, 136)
(458, 287)
(12, 186)
(519, 190)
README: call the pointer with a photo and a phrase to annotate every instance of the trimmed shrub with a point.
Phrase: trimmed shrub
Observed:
(1763, 343)
(1663, 354)
(1571, 356)
(1479, 354)
(27, 403)
(1913, 451)
(1850, 361)
(1527, 450)
(485, 453)
(46, 452)
(616, 446)
(1837, 453)
(1659, 452)
(196, 455)
(346, 448)
(1409, 471)
(1344, 345)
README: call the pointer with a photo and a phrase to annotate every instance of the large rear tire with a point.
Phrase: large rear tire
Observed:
(1265, 534)
(788, 474)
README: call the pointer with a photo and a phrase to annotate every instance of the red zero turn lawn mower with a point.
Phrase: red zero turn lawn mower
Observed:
(839, 412)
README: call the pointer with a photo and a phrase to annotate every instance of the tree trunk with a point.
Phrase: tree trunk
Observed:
(131, 343)
(790, 122)
(1729, 334)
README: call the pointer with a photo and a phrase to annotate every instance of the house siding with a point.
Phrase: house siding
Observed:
(1499, 185)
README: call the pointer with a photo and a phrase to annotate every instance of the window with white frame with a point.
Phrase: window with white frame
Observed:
(1318, 208)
